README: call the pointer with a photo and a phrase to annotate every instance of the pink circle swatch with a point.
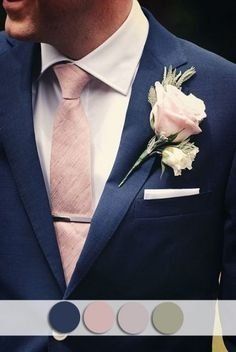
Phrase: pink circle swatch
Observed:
(99, 317)
(133, 318)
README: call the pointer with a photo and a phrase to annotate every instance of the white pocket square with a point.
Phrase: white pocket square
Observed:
(169, 193)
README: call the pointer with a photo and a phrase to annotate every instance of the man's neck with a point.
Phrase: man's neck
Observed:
(94, 29)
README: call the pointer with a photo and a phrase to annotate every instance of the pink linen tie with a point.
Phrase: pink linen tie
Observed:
(70, 167)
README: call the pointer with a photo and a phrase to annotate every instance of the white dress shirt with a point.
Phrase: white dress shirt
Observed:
(105, 99)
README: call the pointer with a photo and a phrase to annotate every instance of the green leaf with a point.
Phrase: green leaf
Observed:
(172, 137)
(185, 76)
(163, 168)
(171, 77)
(152, 96)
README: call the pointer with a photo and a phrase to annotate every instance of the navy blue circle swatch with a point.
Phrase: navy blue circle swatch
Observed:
(64, 317)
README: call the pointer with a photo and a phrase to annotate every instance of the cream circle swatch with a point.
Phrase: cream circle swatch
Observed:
(167, 318)
(99, 317)
(133, 318)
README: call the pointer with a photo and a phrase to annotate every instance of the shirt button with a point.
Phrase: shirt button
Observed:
(59, 337)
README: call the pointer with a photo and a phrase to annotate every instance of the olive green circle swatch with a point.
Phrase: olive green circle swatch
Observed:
(167, 318)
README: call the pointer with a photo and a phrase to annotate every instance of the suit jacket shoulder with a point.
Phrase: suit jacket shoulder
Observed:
(5, 42)
(215, 83)
(208, 61)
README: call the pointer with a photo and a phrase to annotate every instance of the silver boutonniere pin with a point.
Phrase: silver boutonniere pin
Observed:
(174, 117)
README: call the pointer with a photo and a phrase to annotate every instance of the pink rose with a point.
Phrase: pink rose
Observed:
(175, 111)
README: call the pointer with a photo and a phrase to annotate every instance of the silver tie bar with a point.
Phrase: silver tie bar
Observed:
(73, 218)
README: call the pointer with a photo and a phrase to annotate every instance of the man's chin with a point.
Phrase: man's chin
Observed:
(19, 30)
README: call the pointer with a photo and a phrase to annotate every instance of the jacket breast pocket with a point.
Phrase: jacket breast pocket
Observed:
(156, 208)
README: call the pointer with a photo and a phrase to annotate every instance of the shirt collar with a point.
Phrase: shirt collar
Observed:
(114, 62)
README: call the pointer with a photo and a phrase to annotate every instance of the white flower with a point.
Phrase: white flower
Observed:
(174, 117)
(175, 111)
(179, 158)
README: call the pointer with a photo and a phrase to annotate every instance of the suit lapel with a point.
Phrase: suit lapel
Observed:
(17, 134)
(161, 50)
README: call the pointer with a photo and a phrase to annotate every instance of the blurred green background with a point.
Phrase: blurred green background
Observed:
(209, 23)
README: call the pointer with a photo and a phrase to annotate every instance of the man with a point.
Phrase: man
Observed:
(134, 249)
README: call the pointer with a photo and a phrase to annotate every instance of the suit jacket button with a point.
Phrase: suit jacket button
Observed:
(58, 336)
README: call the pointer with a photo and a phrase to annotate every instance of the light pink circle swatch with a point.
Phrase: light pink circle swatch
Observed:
(133, 318)
(99, 317)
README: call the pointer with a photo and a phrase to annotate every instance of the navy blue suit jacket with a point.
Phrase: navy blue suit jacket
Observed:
(160, 249)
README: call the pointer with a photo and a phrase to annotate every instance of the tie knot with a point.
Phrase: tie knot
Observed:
(72, 79)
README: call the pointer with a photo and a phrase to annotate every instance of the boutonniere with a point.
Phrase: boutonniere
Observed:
(174, 117)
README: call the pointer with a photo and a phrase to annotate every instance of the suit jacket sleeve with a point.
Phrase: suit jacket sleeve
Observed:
(228, 275)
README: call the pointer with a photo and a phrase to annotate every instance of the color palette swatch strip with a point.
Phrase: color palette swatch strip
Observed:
(114, 318)
(99, 317)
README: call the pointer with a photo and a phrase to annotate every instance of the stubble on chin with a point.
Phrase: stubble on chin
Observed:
(25, 29)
